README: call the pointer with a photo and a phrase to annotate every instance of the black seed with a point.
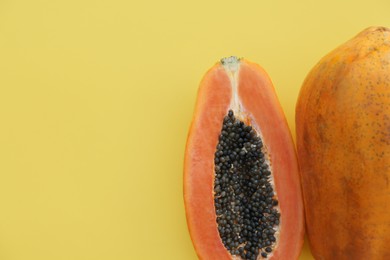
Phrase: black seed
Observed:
(244, 198)
(268, 250)
(264, 255)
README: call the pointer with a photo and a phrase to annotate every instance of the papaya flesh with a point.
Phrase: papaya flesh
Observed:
(242, 191)
(343, 142)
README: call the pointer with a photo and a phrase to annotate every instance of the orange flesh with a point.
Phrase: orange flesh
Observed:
(214, 96)
(261, 107)
(276, 137)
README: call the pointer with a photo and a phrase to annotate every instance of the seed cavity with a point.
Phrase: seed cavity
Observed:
(244, 199)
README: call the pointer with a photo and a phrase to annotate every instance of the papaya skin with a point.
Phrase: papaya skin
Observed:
(343, 144)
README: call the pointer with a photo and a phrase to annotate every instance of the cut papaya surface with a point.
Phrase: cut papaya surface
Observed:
(241, 185)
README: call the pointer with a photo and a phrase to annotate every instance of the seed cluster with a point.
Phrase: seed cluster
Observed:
(245, 202)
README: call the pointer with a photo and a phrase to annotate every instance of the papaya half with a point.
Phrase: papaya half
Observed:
(343, 142)
(242, 190)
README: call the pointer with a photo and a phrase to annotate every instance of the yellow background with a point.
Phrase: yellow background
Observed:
(96, 98)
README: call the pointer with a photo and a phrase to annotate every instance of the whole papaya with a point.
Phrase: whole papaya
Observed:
(343, 141)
